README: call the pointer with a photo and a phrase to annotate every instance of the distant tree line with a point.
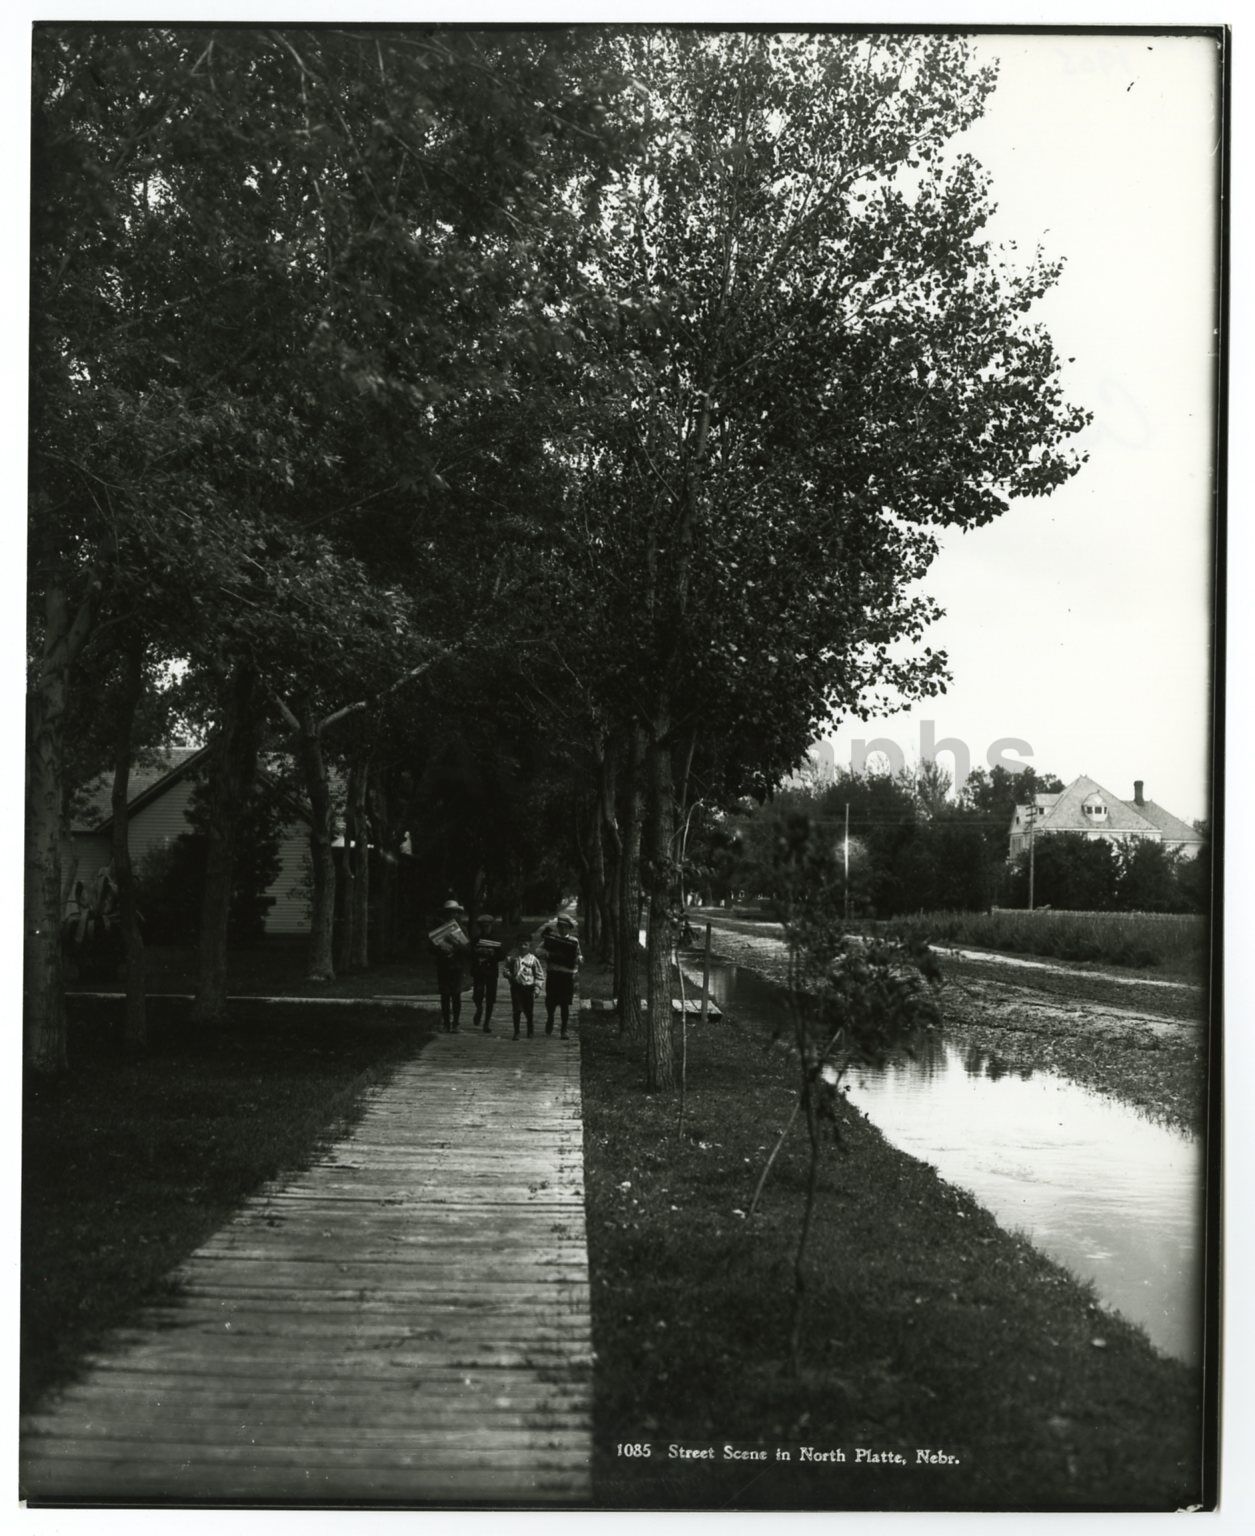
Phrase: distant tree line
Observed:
(915, 848)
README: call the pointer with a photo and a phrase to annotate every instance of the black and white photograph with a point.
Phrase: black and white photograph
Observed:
(625, 766)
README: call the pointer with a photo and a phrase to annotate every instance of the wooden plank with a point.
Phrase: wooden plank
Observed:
(419, 1278)
(287, 1440)
(330, 1452)
(463, 1354)
(282, 1305)
(362, 1320)
(127, 1482)
(444, 1250)
(423, 1390)
(405, 1322)
(255, 1284)
(161, 1416)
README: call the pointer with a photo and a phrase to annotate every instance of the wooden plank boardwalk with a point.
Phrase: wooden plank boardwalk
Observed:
(407, 1323)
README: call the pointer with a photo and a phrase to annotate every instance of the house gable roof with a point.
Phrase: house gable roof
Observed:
(93, 809)
(1065, 814)
(151, 781)
(1173, 828)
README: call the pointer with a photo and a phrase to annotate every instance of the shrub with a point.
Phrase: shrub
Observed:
(170, 879)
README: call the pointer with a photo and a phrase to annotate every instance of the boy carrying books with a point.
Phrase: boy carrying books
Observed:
(485, 958)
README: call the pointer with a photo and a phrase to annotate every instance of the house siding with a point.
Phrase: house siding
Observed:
(291, 887)
(157, 824)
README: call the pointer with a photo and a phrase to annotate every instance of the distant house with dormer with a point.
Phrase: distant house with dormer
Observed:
(1087, 809)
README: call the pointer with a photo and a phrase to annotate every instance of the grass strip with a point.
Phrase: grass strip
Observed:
(1164, 945)
(1169, 944)
(129, 1164)
(932, 1334)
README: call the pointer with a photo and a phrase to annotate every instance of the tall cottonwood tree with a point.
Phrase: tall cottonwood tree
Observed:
(248, 246)
(808, 357)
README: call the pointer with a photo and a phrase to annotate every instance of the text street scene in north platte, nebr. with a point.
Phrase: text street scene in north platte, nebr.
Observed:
(622, 817)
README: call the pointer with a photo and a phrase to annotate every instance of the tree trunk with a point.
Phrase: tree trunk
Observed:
(232, 770)
(42, 985)
(320, 966)
(598, 942)
(348, 880)
(359, 892)
(582, 854)
(612, 853)
(386, 869)
(135, 1023)
(628, 957)
(659, 831)
(611, 935)
(43, 993)
(799, 1255)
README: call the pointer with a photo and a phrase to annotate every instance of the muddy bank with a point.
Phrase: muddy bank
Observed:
(1154, 1060)
(1144, 1045)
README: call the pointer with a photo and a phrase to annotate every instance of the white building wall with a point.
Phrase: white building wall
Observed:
(157, 825)
(292, 886)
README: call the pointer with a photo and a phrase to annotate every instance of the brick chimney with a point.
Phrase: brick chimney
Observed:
(1137, 792)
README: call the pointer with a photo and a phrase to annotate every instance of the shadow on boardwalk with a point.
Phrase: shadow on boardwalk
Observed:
(405, 1323)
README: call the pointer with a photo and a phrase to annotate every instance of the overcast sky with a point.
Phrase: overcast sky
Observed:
(1080, 623)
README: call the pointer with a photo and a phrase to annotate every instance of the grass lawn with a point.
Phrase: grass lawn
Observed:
(1164, 944)
(277, 967)
(928, 1328)
(1167, 946)
(129, 1165)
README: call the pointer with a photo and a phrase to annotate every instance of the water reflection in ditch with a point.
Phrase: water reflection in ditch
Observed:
(1097, 1185)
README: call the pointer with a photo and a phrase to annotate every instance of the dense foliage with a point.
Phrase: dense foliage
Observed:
(537, 433)
(911, 851)
(170, 879)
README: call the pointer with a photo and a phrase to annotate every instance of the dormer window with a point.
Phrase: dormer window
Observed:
(1095, 808)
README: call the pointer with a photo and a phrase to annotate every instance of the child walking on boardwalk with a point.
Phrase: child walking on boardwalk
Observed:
(526, 973)
(485, 958)
(562, 959)
(448, 940)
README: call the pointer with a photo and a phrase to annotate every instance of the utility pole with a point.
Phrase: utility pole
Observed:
(1032, 828)
(847, 861)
